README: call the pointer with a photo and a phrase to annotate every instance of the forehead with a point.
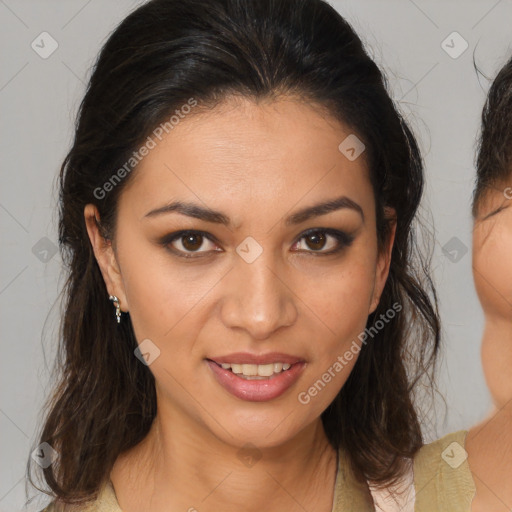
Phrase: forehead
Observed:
(268, 154)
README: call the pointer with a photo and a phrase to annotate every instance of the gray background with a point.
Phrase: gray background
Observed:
(441, 96)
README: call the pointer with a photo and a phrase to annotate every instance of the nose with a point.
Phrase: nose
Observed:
(259, 300)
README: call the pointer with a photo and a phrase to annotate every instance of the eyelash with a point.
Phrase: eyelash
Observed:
(344, 240)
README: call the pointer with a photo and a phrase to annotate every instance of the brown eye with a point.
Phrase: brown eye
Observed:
(186, 243)
(192, 241)
(316, 241)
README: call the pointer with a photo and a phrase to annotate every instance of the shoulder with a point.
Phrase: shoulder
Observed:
(489, 447)
(442, 477)
(106, 501)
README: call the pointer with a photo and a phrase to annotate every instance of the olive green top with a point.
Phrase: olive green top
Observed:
(441, 475)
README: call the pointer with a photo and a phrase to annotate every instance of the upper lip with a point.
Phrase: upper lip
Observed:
(247, 358)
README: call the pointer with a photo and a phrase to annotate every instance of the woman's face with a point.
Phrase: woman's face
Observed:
(231, 275)
(492, 247)
(492, 272)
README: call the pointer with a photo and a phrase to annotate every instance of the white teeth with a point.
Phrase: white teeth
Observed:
(265, 370)
(250, 369)
(237, 368)
(256, 371)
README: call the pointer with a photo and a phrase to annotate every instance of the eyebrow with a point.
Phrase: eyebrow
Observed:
(208, 215)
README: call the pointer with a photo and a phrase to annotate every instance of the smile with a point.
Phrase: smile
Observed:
(254, 382)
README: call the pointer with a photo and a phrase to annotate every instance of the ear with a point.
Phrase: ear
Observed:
(105, 256)
(384, 260)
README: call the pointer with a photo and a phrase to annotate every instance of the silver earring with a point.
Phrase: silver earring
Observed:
(115, 300)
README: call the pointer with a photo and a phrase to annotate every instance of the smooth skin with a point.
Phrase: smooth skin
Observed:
(489, 444)
(257, 163)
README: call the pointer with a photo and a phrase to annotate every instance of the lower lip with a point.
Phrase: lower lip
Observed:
(257, 390)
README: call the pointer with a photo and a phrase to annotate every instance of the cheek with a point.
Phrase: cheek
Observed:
(340, 302)
(163, 295)
(343, 299)
(492, 270)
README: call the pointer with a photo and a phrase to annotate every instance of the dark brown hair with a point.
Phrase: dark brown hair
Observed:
(494, 157)
(160, 56)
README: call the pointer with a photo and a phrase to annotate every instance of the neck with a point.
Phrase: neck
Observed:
(497, 359)
(181, 465)
(489, 443)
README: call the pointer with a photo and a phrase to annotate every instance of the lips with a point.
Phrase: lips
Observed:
(257, 390)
